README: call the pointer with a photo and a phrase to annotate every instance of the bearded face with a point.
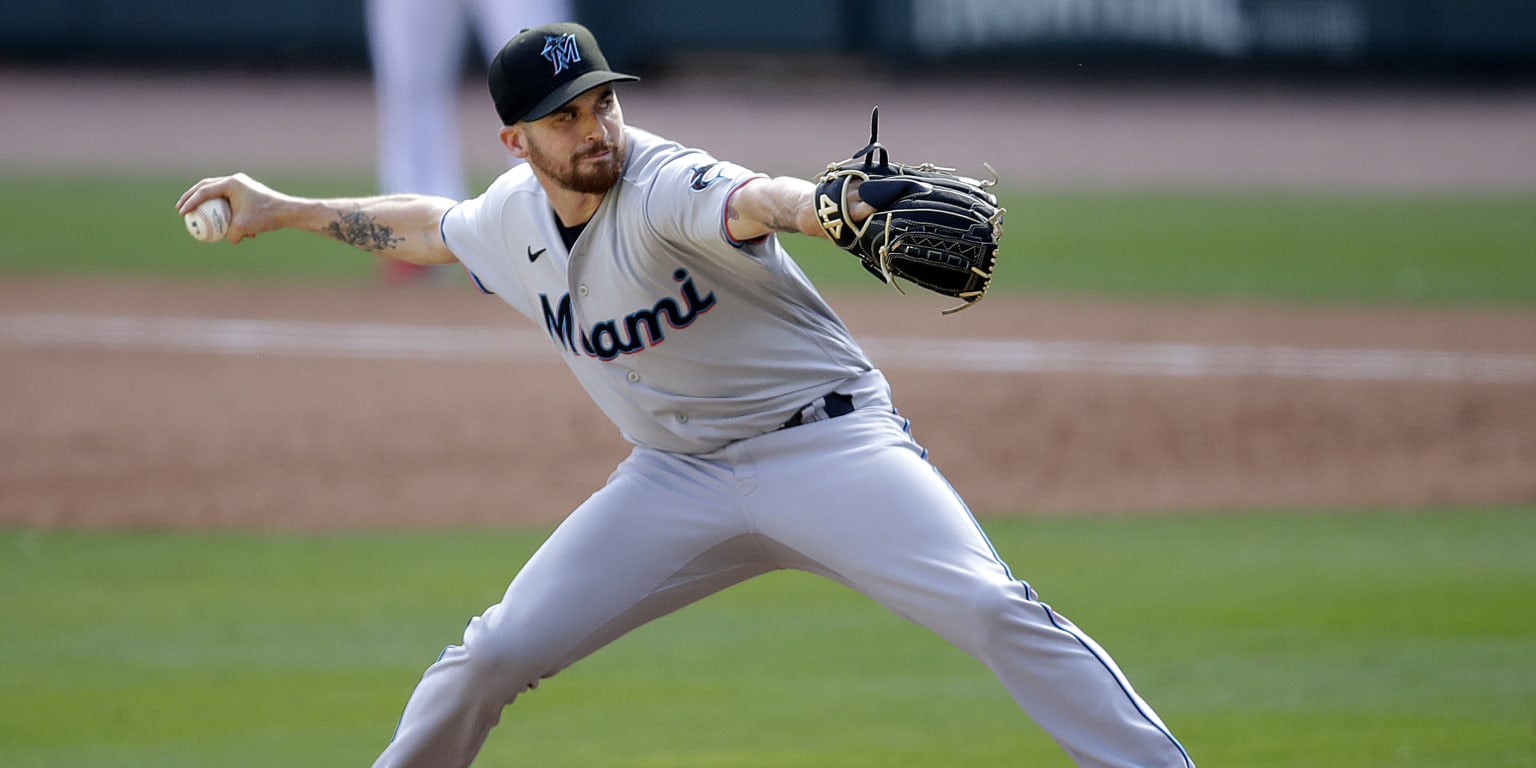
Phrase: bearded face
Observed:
(593, 169)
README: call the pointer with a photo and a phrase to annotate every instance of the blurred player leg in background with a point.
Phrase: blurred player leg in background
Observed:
(417, 50)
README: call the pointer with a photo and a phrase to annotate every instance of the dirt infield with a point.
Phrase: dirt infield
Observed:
(96, 434)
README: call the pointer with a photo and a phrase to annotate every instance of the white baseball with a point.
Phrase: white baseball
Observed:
(209, 221)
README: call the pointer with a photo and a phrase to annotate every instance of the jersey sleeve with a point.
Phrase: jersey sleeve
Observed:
(473, 229)
(688, 201)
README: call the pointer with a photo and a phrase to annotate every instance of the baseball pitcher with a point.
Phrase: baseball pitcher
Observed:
(763, 437)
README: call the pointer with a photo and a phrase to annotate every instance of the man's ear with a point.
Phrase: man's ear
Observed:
(513, 139)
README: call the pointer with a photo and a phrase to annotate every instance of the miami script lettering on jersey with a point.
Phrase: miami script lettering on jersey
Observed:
(636, 331)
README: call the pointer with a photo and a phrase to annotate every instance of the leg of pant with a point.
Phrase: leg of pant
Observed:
(880, 519)
(651, 541)
(416, 48)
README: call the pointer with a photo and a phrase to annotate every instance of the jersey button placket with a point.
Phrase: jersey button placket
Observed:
(633, 376)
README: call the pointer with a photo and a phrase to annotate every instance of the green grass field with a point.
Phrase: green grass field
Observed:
(1415, 250)
(1329, 640)
(1352, 639)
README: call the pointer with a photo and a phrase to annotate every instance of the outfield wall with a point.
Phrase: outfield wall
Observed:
(1418, 36)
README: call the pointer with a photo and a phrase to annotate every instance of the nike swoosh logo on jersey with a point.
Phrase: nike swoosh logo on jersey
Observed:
(534, 255)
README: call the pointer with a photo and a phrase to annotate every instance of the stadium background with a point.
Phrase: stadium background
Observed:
(124, 409)
(1412, 36)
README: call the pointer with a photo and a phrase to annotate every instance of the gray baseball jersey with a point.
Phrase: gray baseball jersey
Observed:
(685, 338)
(763, 440)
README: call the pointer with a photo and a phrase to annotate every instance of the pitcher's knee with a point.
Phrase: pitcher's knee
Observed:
(998, 612)
(508, 661)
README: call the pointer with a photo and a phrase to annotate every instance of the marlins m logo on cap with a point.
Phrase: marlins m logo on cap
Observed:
(521, 83)
(561, 51)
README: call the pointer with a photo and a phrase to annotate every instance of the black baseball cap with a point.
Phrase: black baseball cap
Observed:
(542, 68)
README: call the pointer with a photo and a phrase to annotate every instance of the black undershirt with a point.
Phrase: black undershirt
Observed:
(568, 235)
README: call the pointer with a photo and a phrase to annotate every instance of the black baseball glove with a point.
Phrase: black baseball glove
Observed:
(932, 228)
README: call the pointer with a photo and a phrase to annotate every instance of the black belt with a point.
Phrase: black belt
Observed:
(835, 404)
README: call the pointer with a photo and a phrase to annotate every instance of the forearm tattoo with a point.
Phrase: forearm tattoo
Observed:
(780, 219)
(783, 221)
(364, 231)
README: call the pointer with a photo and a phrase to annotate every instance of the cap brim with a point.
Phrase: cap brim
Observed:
(557, 98)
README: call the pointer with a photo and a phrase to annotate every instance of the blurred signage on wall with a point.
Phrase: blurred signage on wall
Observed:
(1230, 28)
(1380, 35)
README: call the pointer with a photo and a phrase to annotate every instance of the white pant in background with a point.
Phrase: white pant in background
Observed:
(417, 49)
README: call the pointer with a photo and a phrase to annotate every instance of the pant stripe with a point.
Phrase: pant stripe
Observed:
(1135, 702)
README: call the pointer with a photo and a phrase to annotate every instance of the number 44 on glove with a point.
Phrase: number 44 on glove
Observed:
(932, 228)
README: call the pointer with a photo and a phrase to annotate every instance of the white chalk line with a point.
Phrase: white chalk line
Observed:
(387, 341)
